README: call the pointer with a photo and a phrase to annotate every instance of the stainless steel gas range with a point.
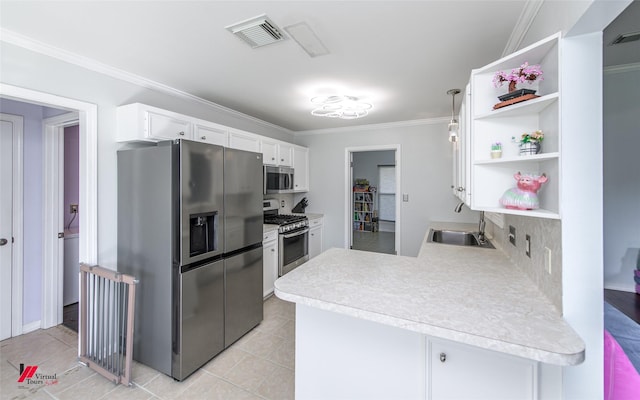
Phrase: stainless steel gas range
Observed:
(293, 236)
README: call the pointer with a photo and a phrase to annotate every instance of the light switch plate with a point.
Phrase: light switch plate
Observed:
(405, 197)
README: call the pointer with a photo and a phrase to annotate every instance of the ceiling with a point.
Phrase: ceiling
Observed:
(401, 56)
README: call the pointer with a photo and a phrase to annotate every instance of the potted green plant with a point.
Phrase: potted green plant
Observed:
(530, 143)
(496, 150)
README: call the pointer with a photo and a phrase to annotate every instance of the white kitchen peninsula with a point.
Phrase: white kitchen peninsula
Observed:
(455, 322)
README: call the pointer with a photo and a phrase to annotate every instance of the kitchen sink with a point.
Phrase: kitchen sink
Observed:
(458, 238)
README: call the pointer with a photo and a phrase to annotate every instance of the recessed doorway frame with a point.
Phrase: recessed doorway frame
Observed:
(51, 310)
(348, 189)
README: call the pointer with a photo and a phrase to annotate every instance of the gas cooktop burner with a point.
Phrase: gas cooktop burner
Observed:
(282, 219)
(287, 222)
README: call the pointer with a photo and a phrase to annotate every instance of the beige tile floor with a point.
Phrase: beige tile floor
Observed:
(259, 366)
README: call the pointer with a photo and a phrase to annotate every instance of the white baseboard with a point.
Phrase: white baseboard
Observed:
(30, 327)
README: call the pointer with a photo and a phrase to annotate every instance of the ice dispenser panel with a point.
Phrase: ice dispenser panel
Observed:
(203, 233)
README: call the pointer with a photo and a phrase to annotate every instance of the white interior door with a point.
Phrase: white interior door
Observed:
(8, 123)
(387, 192)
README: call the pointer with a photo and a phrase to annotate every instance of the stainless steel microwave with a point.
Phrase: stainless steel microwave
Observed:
(278, 179)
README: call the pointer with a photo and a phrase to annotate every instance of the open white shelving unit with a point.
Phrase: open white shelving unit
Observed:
(490, 177)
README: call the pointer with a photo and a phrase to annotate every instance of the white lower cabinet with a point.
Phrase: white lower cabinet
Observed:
(269, 261)
(339, 356)
(315, 237)
(457, 371)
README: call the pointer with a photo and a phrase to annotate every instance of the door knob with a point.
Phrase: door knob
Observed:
(3, 241)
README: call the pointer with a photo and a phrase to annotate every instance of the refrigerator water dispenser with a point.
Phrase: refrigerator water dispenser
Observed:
(202, 233)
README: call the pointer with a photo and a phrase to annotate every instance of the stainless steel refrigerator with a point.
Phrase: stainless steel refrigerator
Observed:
(190, 229)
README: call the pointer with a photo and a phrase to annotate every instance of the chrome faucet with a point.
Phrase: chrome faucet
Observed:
(459, 207)
(481, 225)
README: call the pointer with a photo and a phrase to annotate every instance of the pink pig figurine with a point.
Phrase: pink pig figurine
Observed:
(524, 197)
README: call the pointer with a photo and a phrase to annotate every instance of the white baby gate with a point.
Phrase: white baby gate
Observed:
(107, 304)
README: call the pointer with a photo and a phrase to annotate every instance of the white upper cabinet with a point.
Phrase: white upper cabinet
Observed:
(285, 154)
(269, 152)
(277, 153)
(300, 169)
(492, 177)
(210, 133)
(244, 141)
(140, 122)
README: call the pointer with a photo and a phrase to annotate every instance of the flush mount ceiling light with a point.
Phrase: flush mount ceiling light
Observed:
(453, 125)
(343, 107)
(257, 31)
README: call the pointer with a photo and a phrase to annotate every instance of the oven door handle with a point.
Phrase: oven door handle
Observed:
(298, 233)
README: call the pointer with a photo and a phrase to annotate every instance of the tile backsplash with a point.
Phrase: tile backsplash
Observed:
(288, 201)
(544, 233)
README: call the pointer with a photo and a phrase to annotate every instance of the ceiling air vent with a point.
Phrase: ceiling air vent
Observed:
(626, 38)
(258, 31)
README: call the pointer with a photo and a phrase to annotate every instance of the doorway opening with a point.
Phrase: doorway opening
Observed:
(373, 212)
(45, 309)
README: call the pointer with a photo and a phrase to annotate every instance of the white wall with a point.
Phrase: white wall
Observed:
(24, 68)
(621, 179)
(32, 194)
(425, 177)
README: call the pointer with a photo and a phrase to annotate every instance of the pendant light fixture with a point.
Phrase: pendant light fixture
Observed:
(453, 125)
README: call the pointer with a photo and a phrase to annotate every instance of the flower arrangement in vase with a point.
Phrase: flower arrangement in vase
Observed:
(496, 150)
(530, 143)
(524, 73)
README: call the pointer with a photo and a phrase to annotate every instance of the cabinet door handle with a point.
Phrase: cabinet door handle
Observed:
(203, 138)
(443, 357)
(273, 250)
(181, 133)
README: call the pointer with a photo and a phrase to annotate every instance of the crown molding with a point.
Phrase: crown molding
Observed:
(618, 69)
(528, 14)
(30, 44)
(386, 125)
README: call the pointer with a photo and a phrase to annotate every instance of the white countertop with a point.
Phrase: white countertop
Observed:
(469, 295)
(269, 228)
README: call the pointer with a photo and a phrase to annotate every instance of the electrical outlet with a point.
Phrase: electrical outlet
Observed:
(527, 245)
(282, 203)
(547, 259)
(73, 208)
(512, 234)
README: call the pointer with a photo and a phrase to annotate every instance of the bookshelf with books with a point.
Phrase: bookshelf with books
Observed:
(363, 211)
